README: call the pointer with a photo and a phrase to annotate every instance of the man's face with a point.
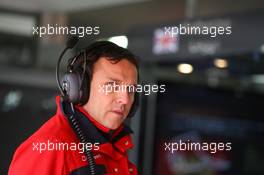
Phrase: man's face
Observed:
(111, 108)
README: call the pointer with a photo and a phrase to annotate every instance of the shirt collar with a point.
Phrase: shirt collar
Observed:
(96, 123)
(91, 126)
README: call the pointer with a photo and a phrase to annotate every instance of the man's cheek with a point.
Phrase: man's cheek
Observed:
(129, 108)
(105, 113)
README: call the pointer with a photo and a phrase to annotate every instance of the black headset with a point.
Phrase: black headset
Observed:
(75, 87)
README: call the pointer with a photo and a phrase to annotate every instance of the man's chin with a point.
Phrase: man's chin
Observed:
(113, 127)
(114, 124)
(114, 120)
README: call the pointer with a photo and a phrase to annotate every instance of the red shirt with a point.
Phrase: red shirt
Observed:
(54, 149)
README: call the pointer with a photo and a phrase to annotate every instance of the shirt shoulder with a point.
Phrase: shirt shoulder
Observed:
(39, 154)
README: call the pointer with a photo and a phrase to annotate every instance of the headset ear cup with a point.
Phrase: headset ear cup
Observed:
(134, 106)
(72, 81)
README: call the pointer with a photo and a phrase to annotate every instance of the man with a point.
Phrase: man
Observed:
(55, 148)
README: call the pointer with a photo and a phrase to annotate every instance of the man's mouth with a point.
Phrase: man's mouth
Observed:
(118, 112)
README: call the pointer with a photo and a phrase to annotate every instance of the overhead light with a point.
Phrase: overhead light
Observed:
(221, 63)
(121, 41)
(262, 48)
(185, 68)
(16, 24)
(258, 78)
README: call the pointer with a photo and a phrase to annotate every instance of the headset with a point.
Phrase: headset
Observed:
(75, 89)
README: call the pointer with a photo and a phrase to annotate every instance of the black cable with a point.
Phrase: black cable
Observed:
(73, 118)
(78, 131)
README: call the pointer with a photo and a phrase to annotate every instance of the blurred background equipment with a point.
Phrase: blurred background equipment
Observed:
(214, 83)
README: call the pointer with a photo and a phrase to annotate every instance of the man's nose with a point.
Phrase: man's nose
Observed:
(123, 97)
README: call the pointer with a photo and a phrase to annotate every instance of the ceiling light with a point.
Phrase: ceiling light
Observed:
(121, 41)
(185, 68)
(221, 63)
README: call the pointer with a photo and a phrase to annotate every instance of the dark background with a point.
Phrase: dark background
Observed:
(209, 104)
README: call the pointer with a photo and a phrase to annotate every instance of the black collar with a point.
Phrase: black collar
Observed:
(92, 133)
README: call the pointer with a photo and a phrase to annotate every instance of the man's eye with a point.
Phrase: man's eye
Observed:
(110, 83)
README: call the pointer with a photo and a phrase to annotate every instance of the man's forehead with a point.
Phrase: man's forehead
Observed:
(108, 60)
(122, 70)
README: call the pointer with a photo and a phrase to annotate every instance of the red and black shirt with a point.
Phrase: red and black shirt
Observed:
(42, 153)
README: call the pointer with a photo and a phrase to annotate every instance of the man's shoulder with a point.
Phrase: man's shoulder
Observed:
(56, 129)
(41, 147)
